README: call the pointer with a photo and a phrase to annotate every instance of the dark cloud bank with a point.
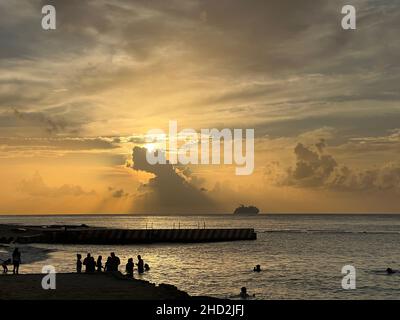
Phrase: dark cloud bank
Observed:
(315, 168)
(171, 189)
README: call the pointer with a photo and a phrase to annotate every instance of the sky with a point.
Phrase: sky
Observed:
(76, 104)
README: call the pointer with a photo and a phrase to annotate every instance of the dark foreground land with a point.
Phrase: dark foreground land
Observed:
(73, 286)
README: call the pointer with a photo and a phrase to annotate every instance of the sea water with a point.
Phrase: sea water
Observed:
(301, 256)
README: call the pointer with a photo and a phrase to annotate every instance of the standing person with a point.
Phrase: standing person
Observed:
(115, 262)
(78, 263)
(99, 264)
(129, 268)
(140, 265)
(16, 257)
(92, 265)
(107, 266)
(87, 262)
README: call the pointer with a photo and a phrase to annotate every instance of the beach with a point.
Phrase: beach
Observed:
(97, 286)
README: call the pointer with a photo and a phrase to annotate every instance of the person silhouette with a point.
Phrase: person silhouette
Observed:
(78, 263)
(99, 264)
(107, 266)
(257, 268)
(16, 259)
(390, 271)
(140, 265)
(146, 267)
(243, 293)
(4, 265)
(92, 265)
(129, 268)
(115, 262)
(88, 262)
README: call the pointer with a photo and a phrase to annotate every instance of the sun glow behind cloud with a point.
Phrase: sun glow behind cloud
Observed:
(75, 102)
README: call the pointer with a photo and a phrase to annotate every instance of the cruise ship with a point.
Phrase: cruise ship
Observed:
(243, 210)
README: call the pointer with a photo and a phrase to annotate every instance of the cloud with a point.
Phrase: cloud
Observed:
(384, 178)
(282, 67)
(36, 187)
(118, 193)
(60, 143)
(275, 61)
(315, 169)
(49, 122)
(169, 190)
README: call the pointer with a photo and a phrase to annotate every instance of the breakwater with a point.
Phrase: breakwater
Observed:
(129, 236)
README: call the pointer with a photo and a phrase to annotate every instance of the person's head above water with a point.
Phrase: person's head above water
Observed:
(243, 290)
(78, 256)
(130, 260)
(257, 268)
(88, 255)
(139, 257)
(112, 254)
(389, 270)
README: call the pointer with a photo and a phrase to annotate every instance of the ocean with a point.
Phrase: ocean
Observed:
(301, 256)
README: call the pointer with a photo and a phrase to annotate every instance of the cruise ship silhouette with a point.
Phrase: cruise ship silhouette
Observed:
(243, 210)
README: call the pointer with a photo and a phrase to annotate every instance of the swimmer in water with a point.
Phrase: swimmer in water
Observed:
(243, 293)
(257, 268)
(390, 271)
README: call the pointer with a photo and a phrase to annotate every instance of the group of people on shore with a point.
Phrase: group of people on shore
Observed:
(111, 265)
(15, 260)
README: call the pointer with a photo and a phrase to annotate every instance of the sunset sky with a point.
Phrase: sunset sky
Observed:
(76, 101)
